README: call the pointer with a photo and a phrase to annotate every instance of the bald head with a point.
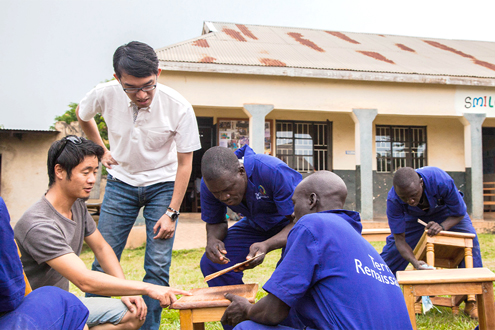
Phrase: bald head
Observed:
(218, 162)
(321, 191)
(405, 177)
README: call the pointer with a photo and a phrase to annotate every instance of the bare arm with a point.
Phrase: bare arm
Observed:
(269, 310)
(434, 228)
(215, 249)
(406, 252)
(165, 227)
(104, 254)
(72, 267)
(91, 130)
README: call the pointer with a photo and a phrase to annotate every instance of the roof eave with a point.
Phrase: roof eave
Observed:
(327, 74)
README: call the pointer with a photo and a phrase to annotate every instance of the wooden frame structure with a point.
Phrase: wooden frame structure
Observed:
(464, 281)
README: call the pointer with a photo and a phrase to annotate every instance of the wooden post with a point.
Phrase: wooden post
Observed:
(186, 322)
(486, 307)
(430, 254)
(409, 298)
(468, 262)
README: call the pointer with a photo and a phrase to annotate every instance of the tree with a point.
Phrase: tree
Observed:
(70, 115)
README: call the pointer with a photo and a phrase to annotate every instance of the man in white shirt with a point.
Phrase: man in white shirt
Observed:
(152, 132)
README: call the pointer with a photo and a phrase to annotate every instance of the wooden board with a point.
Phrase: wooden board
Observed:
(226, 270)
(215, 296)
(460, 275)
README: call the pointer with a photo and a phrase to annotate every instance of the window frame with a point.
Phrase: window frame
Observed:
(408, 158)
(328, 126)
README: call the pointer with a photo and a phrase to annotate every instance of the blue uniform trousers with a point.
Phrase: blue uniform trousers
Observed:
(47, 308)
(414, 231)
(237, 242)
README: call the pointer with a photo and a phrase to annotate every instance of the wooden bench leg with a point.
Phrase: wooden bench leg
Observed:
(186, 321)
(468, 262)
(409, 298)
(486, 307)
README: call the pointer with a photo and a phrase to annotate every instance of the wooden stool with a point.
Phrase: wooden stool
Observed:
(209, 304)
(476, 281)
(446, 250)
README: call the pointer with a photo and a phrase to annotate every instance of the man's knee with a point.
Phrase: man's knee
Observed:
(131, 321)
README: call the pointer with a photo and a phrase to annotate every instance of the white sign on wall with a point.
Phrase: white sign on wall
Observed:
(475, 100)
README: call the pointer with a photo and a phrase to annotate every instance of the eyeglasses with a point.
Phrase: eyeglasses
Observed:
(71, 138)
(135, 90)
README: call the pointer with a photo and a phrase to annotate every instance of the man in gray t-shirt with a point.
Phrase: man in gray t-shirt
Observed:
(44, 234)
(50, 236)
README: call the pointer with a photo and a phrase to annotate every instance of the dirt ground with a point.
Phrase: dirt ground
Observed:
(191, 232)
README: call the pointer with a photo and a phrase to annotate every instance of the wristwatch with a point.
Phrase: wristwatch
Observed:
(173, 214)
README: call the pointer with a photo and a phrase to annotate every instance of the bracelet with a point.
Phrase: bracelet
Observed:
(171, 209)
(443, 228)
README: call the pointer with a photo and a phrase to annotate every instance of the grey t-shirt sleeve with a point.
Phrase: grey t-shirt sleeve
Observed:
(45, 242)
(90, 225)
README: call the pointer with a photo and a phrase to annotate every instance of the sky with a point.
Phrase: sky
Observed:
(52, 52)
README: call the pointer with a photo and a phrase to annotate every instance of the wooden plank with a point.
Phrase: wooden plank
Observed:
(455, 234)
(443, 301)
(445, 276)
(488, 202)
(208, 314)
(214, 297)
(447, 289)
(376, 237)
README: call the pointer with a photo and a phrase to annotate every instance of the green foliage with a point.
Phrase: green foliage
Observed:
(70, 115)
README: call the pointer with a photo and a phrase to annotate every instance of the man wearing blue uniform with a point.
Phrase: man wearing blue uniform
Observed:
(261, 189)
(429, 194)
(329, 276)
(44, 308)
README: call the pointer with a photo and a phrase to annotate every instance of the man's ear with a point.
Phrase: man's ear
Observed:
(242, 170)
(60, 173)
(313, 200)
(115, 75)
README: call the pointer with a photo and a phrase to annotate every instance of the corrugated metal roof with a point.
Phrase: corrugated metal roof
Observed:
(21, 130)
(286, 47)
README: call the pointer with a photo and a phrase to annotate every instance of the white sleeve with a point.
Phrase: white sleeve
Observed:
(187, 135)
(89, 105)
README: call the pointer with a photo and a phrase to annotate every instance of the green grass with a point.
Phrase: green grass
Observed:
(185, 274)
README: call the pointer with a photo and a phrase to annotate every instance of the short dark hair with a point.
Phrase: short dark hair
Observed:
(404, 177)
(136, 59)
(218, 161)
(68, 155)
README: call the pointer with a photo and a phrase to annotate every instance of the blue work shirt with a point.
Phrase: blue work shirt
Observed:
(443, 196)
(270, 186)
(12, 286)
(332, 278)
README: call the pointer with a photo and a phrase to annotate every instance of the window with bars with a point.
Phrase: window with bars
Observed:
(304, 146)
(400, 146)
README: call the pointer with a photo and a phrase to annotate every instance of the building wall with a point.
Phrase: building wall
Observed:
(292, 93)
(24, 175)
(438, 107)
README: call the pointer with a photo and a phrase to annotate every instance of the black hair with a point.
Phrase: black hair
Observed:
(72, 155)
(404, 176)
(136, 59)
(218, 161)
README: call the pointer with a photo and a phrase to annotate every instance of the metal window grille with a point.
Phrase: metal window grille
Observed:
(400, 146)
(303, 145)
